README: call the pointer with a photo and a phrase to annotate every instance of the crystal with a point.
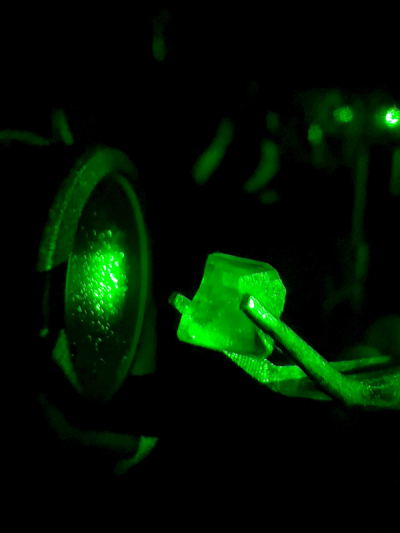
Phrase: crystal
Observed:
(213, 318)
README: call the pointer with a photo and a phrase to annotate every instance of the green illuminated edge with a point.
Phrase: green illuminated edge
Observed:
(292, 381)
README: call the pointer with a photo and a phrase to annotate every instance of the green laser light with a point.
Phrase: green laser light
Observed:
(96, 227)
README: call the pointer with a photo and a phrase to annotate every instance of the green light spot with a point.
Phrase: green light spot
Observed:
(393, 116)
(388, 118)
(344, 114)
(251, 304)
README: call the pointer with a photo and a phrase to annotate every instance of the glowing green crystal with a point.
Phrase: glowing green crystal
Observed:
(213, 319)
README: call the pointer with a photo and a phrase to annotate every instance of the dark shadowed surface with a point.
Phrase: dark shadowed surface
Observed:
(227, 444)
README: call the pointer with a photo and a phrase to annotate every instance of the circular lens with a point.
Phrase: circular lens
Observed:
(106, 288)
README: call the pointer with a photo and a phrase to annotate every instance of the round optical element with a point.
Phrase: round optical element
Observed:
(106, 288)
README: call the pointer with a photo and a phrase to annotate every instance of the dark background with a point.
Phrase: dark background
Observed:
(224, 437)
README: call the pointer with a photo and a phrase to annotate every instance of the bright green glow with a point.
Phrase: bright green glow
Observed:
(95, 225)
(106, 288)
(211, 321)
(105, 270)
(99, 278)
(211, 158)
(388, 118)
(315, 134)
(213, 318)
(292, 380)
(344, 114)
(180, 303)
(393, 116)
(268, 166)
(97, 283)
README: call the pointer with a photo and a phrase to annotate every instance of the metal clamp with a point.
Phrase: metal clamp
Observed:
(371, 383)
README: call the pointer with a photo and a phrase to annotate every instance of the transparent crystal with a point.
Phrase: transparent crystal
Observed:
(213, 319)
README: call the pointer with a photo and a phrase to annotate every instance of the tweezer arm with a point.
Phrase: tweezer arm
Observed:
(344, 388)
(376, 391)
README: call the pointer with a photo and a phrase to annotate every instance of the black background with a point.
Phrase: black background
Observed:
(227, 444)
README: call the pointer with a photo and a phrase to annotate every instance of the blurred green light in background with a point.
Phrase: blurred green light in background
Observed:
(315, 134)
(208, 162)
(160, 23)
(344, 114)
(388, 118)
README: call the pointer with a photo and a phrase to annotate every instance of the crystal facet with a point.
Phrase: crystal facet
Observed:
(213, 318)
